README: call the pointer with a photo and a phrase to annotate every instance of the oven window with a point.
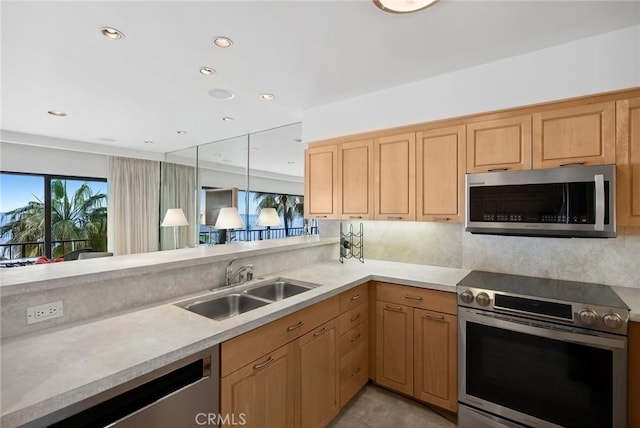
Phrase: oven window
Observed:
(563, 383)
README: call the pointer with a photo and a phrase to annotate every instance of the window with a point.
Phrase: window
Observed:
(51, 216)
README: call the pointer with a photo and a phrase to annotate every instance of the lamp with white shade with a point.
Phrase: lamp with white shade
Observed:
(268, 217)
(174, 218)
(228, 219)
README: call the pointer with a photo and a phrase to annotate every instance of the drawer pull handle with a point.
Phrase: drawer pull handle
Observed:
(497, 169)
(572, 163)
(440, 218)
(321, 332)
(293, 327)
(434, 317)
(355, 216)
(321, 216)
(356, 297)
(356, 337)
(355, 372)
(266, 363)
(394, 308)
(408, 296)
(394, 217)
(355, 317)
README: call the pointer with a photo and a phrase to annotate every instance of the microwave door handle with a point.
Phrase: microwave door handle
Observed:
(599, 179)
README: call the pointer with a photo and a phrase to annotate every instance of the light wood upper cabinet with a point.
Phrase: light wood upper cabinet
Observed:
(628, 161)
(321, 182)
(262, 391)
(395, 177)
(355, 180)
(582, 135)
(440, 168)
(319, 376)
(435, 358)
(394, 346)
(501, 144)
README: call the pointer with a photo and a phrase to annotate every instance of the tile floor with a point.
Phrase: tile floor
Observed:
(376, 407)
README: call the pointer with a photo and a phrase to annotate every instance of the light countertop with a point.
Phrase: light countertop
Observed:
(43, 373)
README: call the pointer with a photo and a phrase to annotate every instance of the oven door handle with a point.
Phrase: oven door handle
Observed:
(599, 179)
(543, 329)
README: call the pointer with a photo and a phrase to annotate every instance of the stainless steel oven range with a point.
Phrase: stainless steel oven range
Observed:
(540, 353)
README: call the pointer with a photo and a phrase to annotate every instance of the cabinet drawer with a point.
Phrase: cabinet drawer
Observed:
(350, 319)
(241, 350)
(352, 298)
(354, 372)
(423, 298)
(351, 339)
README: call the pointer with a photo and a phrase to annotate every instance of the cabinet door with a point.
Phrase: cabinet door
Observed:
(583, 135)
(262, 393)
(321, 182)
(394, 346)
(628, 162)
(499, 145)
(395, 177)
(440, 165)
(435, 357)
(355, 180)
(317, 355)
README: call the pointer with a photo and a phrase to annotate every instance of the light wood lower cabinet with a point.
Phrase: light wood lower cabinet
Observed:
(394, 346)
(262, 392)
(317, 356)
(435, 358)
(416, 343)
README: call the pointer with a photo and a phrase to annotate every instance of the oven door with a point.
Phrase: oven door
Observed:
(541, 374)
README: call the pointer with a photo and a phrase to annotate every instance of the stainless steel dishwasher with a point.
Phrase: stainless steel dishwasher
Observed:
(183, 394)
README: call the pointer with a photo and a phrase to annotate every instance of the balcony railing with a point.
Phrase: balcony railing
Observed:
(218, 236)
(21, 249)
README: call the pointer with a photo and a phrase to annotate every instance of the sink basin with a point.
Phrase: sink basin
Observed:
(226, 306)
(277, 290)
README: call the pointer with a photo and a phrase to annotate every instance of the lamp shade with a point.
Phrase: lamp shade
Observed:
(174, 217)
(268, 217)
(229, 219)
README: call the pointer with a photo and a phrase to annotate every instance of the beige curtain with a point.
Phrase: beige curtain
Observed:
(133, 215)
(178, 184)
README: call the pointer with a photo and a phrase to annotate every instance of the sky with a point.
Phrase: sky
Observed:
(16, 190)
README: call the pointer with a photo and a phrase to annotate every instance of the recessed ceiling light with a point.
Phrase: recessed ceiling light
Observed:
(221, 94)
(267, 97)
(297, 140)
(148, 142)
(57, 113)
(181, 132)
(112, 33)
(207, 71)
(227, 119)
(403, 6)
(222, 42)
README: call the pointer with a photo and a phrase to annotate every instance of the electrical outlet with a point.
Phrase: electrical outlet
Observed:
(44, 312)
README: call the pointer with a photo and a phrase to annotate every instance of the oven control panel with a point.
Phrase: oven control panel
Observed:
(594, 317)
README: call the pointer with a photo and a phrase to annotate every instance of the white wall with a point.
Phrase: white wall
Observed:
(602, 63)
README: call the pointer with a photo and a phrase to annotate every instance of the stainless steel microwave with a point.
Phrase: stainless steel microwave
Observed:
(563, 202)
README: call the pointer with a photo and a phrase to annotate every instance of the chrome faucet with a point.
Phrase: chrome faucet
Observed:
(244, 273)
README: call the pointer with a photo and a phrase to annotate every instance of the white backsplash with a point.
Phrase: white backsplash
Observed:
(608, 261)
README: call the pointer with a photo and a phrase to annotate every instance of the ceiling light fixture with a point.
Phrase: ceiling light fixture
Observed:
(221, 94)
(148, 142)
(222, 42)
(403, 6)
(207, 71)
(112, 33)
(57, 113)
(227, 119)
(181, 132)
(267, 97)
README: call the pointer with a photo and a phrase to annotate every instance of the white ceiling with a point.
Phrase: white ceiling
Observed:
(147, 86)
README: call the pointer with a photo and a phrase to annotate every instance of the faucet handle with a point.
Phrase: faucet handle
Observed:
(250, 274)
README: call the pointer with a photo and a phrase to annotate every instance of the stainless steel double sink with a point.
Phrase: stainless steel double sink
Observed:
(220, 307)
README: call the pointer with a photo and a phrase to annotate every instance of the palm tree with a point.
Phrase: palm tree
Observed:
(288, 206)
(81, 216)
